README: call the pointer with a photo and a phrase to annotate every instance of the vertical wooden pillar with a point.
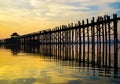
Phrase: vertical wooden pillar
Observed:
(93, 41)
(83, 41)
(72, 33)
(88, 41)
(50, 38)
(60, 35)
(24, 40)
(98, 40)
(69, 33)
(79, 40)
(115, 42)
(103, 43)
(109, 33)
(105, 18)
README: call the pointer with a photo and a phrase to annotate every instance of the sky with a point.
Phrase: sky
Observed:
(27, 16)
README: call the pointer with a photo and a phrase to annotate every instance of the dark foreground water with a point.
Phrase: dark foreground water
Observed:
(58, 64)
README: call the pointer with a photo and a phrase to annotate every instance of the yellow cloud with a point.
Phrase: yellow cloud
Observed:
(34, 15)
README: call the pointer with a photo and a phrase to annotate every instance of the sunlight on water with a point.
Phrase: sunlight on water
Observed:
(32, 68)
(28, 69)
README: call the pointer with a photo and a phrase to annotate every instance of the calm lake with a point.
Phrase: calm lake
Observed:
(58, 64)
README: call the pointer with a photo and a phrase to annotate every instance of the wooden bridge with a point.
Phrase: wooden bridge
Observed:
(103, 30)
(99, 35)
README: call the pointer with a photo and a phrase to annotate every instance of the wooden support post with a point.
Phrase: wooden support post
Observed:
(88, 41)
(98, 40)
(60, 35)
(72, 33)
(115, 42)
(69, 34)
(109, 33)
(50, 38)
(79, 41)
(63, 36)
(103, 43)
(76, 34)
(24, 40)
(93, 41)
(105, 39)
(83, 41)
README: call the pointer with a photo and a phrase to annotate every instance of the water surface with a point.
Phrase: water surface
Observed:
(51, 65)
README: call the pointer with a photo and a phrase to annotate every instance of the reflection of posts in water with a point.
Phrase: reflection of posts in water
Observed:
(66, 57)
(71, 54)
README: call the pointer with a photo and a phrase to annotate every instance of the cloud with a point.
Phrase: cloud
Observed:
(62, 8)
(51, 9)
(17, 4)
(44, 12)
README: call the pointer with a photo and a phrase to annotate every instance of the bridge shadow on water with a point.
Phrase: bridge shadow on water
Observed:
(101, 61)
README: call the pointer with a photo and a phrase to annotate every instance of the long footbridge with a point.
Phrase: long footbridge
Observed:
(98, 37)
(101, 30)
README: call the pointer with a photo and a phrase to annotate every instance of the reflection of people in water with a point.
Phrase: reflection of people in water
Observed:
(15, 51)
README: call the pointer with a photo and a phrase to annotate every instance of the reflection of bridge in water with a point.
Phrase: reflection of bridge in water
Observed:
(69, 55)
